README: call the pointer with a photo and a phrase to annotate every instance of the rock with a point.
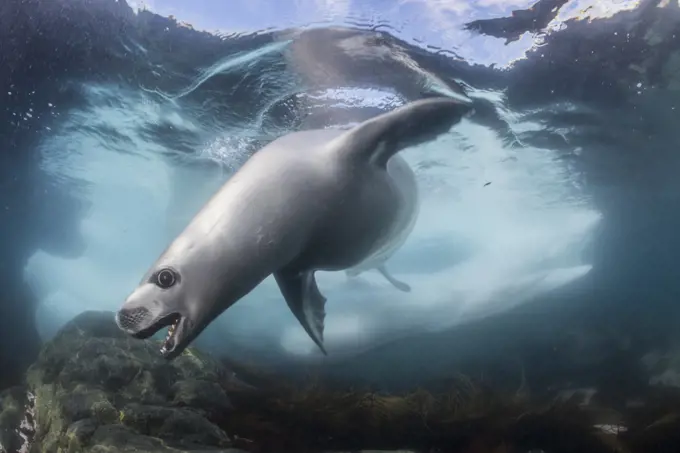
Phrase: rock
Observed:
(12, 408)
(98, 390)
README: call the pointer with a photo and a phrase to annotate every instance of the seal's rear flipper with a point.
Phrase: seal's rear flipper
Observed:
(305, 301)
(381, 137)
(396, 283)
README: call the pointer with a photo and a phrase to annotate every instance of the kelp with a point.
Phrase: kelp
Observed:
(655, 425)
(467, 418)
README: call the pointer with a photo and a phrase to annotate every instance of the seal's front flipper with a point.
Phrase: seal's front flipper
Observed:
(396, 283)
(305, 301)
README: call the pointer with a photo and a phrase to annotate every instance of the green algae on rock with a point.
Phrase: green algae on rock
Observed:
(97, 390)
(15, 420)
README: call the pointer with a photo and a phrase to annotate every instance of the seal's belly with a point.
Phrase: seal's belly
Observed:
(362, 223)
(404, 180)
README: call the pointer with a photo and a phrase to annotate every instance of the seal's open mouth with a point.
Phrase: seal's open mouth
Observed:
(173, 322)
(169, 343)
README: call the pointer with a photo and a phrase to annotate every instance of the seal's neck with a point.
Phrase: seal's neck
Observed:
(249, 229)
(234, 256)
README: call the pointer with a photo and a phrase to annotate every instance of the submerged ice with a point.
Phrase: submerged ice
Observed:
(499, 226)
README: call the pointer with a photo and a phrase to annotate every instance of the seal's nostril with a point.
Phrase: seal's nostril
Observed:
(129, 318)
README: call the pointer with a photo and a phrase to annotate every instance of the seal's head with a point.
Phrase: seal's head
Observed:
(161, 300)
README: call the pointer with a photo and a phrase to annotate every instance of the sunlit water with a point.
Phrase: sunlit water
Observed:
(499, 224)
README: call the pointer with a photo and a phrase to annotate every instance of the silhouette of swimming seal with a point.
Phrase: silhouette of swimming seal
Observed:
(310, 200)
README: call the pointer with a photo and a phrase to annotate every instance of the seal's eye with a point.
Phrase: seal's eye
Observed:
(166, 278)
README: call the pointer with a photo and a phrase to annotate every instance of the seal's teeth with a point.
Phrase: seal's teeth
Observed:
(168, 337)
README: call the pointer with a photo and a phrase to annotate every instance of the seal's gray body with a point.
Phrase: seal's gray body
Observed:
(308, 201)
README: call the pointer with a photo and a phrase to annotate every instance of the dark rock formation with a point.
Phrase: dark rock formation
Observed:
(13, 412)
(97, 390)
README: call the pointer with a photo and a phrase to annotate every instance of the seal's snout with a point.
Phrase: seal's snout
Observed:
(129, 319)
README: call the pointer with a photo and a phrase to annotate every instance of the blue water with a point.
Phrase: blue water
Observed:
(551, 207)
